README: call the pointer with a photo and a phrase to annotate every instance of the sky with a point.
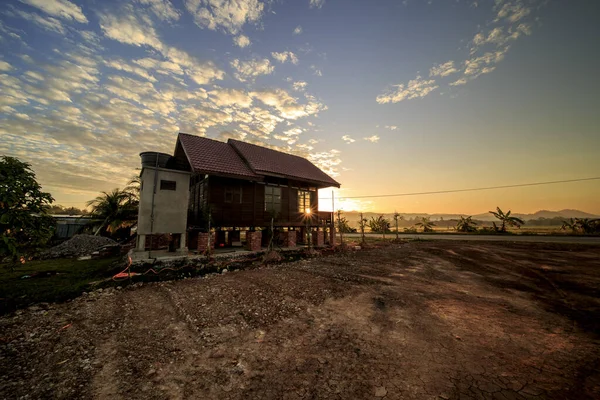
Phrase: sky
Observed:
(386, 96)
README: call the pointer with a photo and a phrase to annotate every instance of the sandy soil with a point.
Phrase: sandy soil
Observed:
(421, 320)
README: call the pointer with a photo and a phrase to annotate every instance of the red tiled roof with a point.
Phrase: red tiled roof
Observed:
(245, 160)
(214, 157)
(272, 162)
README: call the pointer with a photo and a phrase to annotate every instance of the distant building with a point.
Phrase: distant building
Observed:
(69, 225)
(234, 188)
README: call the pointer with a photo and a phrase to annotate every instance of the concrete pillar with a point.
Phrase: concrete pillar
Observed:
(182, 244)
(141, 243)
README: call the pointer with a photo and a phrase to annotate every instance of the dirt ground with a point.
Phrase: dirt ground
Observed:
(419, 320)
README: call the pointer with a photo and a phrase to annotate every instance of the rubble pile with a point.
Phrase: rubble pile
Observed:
(79, 245)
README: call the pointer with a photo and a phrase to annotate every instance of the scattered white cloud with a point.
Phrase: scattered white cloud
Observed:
(512, 11)
(48, 23)
(163, 9)
(130, 28)
(242, 41)
(136, 29)
(461, 81)
(59, 8)
(316, 70)
(348, 139)
(299, 86)
(443, 70)
(316, 3)
(297, 30)
(229, 97)
(328, 161)
(372, 139)
(391, 127)
(252, 68)
(4, 66)
(122, 65)
(416, 88)
(285, 56)
(287, 106)
(227, 15)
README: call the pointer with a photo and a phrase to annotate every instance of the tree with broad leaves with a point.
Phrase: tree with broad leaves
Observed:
(24, 222)
(507, 219)
(426, 224)
(572, 225)
(466, 225)
(379, 225)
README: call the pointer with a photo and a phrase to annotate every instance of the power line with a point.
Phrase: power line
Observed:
(466, 190)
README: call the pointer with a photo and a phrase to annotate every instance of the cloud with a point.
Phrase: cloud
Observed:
(252, 68)
(59, 8)
(316, 70)
(513, 11)
(443, 70)
(328, 161)
(299, 86)
(372, 139)
(483, 64)
(122, 65)
(416, 88)
(229, 97)
(287, 106)
(163, 9)
(4, 66)
(297, 30)
(242, 41)
(227, 15)
(348, 139)
(316, 3)
(137, 29)
(285, 56)
(131, 28)
(48, 23)
(391, 127)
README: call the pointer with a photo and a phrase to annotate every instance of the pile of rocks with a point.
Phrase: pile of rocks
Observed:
(79, 245)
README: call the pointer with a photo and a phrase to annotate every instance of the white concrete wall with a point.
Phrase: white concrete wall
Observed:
(170, 206)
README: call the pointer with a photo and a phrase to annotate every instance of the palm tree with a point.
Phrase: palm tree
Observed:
(134, 187)
(396, 218)
(426, 224)
(466, 225)
(115, 209)
(507, 219)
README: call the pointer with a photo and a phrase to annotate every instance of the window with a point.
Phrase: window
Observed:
(168, 185)
(303, 200)
(272, 199)
(233, 194)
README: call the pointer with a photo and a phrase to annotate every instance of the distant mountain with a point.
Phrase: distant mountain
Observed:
(353, 216)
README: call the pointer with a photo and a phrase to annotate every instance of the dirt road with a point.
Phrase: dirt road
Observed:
(421, 320)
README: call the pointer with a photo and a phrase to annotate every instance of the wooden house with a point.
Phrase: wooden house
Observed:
(238, 186)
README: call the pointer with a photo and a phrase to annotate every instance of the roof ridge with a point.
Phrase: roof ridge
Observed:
(202, 137)
(267, 148)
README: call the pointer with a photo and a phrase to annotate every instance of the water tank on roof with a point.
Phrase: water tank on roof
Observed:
(153, 159)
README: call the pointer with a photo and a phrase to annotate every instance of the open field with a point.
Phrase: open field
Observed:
(424, 319)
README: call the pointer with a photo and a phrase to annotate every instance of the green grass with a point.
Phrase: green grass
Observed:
(50, 281)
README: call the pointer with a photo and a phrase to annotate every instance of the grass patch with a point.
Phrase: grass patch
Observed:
(50, 281)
